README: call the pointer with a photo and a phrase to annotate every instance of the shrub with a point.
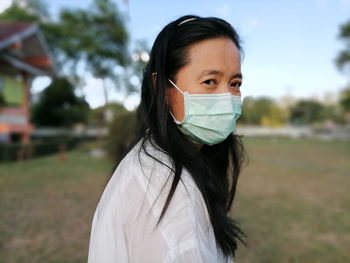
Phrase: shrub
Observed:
(16, 151)
(122, 132)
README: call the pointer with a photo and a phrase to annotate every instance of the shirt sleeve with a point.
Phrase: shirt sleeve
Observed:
(192, 248)
(107, 240)
(193, 236)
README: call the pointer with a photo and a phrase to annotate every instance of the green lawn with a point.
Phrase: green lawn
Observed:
(47, 207)
(293, 201)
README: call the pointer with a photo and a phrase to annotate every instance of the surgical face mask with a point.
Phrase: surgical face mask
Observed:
(209, 118)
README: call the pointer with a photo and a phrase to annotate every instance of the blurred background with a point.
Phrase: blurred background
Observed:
(70, 74)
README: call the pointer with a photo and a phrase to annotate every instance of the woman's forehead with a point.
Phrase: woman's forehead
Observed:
(220, 54)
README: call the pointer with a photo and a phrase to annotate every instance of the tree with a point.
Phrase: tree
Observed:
(343, 59)
(307, 112)
(105, 113)
(34, 11)
(345, 99)
(97, 37)
(59, 106)
(262, 111)
(131, 77)
(122, 132)
(343, 62)
(2, 100)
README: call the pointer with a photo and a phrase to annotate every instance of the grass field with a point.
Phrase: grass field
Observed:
(47, 207)
(293, 202)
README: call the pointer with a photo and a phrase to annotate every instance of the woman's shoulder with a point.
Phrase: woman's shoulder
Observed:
(154, 175)
(141, 162)
(146, 169)
(153, 170)
(146, 161)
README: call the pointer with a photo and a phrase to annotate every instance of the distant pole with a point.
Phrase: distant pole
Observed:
(105, 91)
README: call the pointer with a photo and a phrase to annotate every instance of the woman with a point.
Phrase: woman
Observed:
(190, 102)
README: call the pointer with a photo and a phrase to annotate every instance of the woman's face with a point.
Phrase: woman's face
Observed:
(214, 67)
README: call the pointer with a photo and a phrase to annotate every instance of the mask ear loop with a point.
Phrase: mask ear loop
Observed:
(175, 86)
(176, 121)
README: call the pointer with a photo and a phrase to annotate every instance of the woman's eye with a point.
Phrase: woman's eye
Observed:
(236, 84)
(209, 82)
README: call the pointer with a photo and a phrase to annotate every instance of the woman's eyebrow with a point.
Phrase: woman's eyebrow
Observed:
(217, 72)
(238, 75)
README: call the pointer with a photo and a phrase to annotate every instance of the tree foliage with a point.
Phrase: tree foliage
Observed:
(345, 99)
(262, 111)
(97, 36)
(33, 11)
(307, 112)
(122, 132)
(105, 113)
(343, 58)
(58, 106)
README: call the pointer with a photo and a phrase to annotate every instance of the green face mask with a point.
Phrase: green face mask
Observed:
(209, 118)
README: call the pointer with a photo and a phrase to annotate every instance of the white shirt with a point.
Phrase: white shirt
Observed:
(123, 223)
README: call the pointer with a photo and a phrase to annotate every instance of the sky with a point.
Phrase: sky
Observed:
(289, 46)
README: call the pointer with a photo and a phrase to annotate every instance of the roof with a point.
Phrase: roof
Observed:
(10, 32)
(23, 47)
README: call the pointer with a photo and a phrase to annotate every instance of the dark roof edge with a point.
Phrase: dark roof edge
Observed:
(48, 52)
(19, 64)
(26, 33)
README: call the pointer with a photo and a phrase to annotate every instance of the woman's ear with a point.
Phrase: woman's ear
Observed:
(154, 79)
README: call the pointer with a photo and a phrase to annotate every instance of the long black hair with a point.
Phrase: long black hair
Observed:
(215, 169)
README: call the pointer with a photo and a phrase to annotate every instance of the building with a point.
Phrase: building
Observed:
(23, 56)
